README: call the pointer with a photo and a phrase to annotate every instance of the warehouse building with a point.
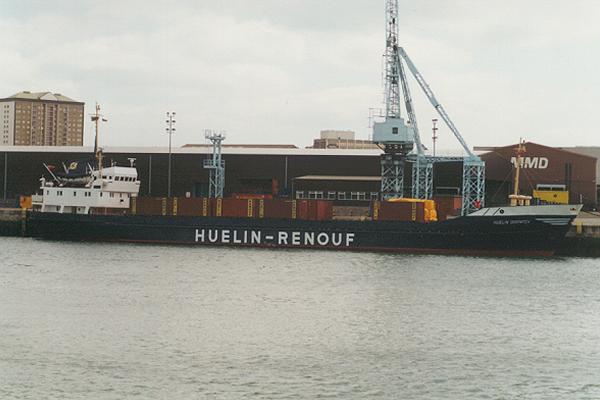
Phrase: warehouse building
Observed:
(548, 174)
(345, 175)
(282, 170)
(262, 170)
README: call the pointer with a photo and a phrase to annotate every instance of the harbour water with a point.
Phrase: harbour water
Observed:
(110, 321)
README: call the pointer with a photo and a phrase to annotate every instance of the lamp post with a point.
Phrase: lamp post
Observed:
(170, 129)
(434, 137)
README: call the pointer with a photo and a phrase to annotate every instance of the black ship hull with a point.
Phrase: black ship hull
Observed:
(519, 235)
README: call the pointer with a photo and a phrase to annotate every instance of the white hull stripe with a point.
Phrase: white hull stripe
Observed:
(554, 221)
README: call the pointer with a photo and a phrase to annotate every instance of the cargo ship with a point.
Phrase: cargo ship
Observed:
(83, 203)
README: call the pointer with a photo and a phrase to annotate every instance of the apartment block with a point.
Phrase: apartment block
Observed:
(41, 119)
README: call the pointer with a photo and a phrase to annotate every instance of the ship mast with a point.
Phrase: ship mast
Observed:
(520, 151)
(96, 117)
(516, 198)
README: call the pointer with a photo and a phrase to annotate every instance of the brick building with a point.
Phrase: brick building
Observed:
(41, 119)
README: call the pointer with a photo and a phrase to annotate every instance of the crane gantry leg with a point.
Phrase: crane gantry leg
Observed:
(473, 184)
(422, 178)
(392, 176)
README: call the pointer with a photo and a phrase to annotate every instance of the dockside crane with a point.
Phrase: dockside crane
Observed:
(399, 138)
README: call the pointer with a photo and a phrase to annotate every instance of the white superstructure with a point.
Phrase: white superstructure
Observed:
(105, 190)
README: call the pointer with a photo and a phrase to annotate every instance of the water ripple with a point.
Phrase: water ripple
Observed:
(108, 321)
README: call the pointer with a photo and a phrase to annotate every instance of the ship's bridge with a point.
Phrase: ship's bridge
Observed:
(118, 179)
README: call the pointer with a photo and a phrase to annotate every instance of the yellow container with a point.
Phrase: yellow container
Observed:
(552, 196)
(405, 200)
(25, 202)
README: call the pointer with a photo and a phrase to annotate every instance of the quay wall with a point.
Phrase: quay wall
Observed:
(12, 222)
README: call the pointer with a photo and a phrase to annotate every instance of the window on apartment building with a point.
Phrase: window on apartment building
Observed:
(374, 195)
(300, 194)
(330, 195)
(341, 195)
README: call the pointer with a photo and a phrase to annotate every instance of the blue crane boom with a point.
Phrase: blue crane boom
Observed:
(436, 104)
(408, 103)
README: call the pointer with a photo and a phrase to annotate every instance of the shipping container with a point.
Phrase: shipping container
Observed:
(551, 196)
(25, 202)
(398, 211)
(194, 206)
(148, 206)
(276, 208)
(302, 211)
(313, 210)
(448, 206)
(324, 210)
(239, 208)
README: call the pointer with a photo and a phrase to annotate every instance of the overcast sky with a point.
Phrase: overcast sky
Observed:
(279, 71)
